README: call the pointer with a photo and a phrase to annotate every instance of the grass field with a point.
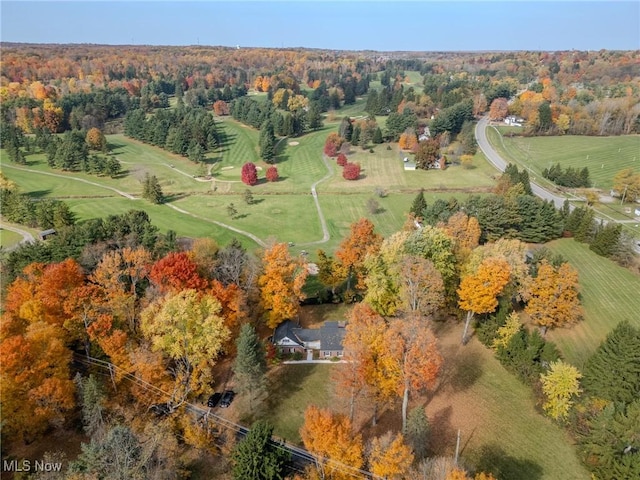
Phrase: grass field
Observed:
(610, 294)
(604, 156)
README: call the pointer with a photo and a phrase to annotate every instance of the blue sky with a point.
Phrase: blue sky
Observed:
(347, 25)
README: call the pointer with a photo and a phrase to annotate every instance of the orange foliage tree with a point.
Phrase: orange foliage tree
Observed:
(220, 107)
(478, 292)
(96, 139)
(331, 438)
(411, 359)
(408, 141)
(362, 241)
(499, 108)
(175, 272)
(554, 298)
(281, 284)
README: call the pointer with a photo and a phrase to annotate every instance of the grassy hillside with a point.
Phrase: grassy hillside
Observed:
(610, 294)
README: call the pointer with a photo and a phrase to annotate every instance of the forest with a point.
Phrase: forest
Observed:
(115, 333)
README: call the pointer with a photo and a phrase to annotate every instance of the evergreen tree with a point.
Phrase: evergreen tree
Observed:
(605, 240)
(267, 142)
(314, 118)
(257, 457)
(586, 228)
(417, 433)
(377, 136)
(419, 204)
(355, 136)
(151, 189)
(250, 365)
(346, 129)
(545, 120)
(613, 371)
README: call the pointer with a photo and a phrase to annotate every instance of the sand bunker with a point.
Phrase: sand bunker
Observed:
(293, 144)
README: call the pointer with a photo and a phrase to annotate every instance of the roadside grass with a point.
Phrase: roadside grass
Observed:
(292, 388)
(604, 156)
(609, 294)
(9, 238)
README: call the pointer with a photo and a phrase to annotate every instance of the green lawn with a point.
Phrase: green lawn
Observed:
(610, 294)
(292, 388)
(604, 156)
(8, 238)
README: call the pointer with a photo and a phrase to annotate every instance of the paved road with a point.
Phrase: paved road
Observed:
(495, 158)
(26, 236)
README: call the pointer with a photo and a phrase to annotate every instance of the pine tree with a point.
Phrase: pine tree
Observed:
(377, 136)
(419, 204)
(250, 364)
(605, 241)
(257, 457)
(613, 371)
(586, 228)
(267, 142)
(151, 189)
(314, 118)
(346, 129)
(355, 136)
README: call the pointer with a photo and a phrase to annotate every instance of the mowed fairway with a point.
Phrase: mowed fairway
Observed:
(610, 294)
(604, 156)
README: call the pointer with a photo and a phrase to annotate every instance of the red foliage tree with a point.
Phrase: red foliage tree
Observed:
(249, 173)
(272, 174)
(351, 171)
(176, 271)
(342, 160)
(221, 107)
(332, 144)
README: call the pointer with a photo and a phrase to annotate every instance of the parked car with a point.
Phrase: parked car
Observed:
(214, 400)
(227, 398)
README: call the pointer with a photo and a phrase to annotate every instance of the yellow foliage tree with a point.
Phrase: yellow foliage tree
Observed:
(478, 292)
(330, 437)
(560, 385)
(281, 284)
(554, 298)
(506, 332)
(390, 457)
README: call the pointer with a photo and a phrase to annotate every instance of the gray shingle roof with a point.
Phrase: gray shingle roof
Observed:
(331, 336)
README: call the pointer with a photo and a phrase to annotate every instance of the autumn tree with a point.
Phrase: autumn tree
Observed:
(272, 174)
(281, 284)
(220, 107)
(96, 140)
(560, 385)
(176, 271)
(332, 144)
(331, 438)
(421, 285)
(250, 365)
(341, 160)
(363, 348)
(389, 457)
(351, 171)
(499, 109)
(412, 360)
(330, 272)
(249, 174)
(427, 153)
(351, 253)
(408, 140)
(554, 300)
(627, 183)
(465, 231)
(478, 292)
(187, 328)
(36, 388)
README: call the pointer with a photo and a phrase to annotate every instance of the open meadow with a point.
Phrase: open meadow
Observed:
(609, 294)
(603, 156)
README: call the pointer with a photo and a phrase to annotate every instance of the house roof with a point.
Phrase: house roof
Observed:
(331, 336)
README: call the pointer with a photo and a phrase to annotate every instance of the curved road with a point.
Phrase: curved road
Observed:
(26, 236)
(495, 158)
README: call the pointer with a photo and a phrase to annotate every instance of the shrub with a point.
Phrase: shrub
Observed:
(351, 171)
(297, 356)
(342, 160)
(249, 174)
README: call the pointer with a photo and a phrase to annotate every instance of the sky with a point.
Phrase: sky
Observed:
(340, 25)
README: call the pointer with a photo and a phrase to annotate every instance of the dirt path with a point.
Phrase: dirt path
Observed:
(314, 193)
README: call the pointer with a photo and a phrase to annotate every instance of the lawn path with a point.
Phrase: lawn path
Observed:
(220, 224)
(314, 193)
